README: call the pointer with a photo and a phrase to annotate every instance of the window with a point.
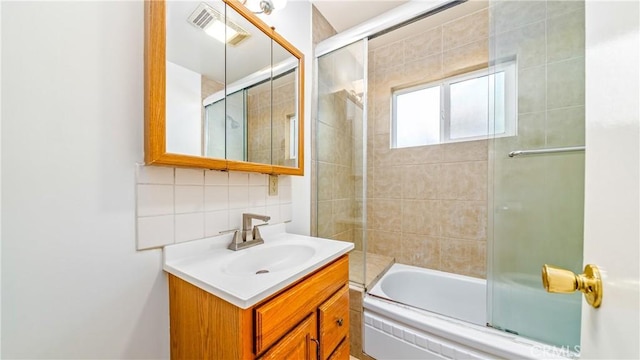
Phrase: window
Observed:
(467, 107)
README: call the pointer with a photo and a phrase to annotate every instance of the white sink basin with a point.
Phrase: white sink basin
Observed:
(233, 275)
(264, 259)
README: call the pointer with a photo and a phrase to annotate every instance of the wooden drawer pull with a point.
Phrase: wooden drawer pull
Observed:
(340, 321)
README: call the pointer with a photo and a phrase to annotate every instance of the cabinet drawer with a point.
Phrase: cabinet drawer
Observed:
(333, 320)
(276, 317)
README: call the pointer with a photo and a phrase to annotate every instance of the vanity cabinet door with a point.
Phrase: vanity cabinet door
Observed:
(342, 352)
(297, 344)
(333, 321)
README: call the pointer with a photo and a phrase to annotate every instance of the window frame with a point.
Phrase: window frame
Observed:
(510, 111)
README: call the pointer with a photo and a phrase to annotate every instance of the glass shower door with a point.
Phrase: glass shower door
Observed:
(537, 196)
(340, 151)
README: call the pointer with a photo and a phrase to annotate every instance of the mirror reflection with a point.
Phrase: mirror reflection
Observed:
(231, 91)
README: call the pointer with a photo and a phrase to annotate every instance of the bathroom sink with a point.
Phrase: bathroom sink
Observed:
(268, 259)
(248, 276)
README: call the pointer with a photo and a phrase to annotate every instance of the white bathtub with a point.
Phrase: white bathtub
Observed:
(438, 315)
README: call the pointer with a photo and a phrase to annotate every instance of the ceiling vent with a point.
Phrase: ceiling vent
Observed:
(213, 23)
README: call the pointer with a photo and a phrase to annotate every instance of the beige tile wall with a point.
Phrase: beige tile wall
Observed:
(427, 205)
(268, 114)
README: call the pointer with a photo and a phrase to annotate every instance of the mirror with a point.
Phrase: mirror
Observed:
(223, 90)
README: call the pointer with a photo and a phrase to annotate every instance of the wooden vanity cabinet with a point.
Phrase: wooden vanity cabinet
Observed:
(307, 320)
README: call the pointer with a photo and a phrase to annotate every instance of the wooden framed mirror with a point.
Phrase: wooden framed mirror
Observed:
(223, 90)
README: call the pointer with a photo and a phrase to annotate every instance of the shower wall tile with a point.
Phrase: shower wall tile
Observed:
(385, 214)
(531, 134)
(509, 15)
(388, 56)
(555, 8)
(566, 83)
(420, 250)
(388, 183)
(325, 219)
(429, 154)
(423, 70)
(421, 182)
(463, 257)
(422, 45)
(466, 29)
(466, 58)
(565, 127)
(526, 44)
(388, 243)
(464, 219)
(532, 89)
(190, 210)
(464, 181)
(421, 217)
(381, 117)
(465, 151)
(565, 36)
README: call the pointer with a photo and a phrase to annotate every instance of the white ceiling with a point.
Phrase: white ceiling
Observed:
(343, 15)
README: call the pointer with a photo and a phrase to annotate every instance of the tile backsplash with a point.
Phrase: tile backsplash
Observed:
(175, 205)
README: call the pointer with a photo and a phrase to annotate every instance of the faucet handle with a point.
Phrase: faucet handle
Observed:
(256, 231)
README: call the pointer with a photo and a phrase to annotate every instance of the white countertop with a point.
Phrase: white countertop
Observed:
(209, 265)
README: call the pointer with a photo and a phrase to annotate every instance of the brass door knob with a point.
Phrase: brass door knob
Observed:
(557, 280)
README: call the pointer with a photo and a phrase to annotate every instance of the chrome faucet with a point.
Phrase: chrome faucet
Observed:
(248, 237)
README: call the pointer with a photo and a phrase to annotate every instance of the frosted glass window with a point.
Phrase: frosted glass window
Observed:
(471, 112)
(417, 117)
(466, 107)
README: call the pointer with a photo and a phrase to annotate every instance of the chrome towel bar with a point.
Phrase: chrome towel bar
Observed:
(545, 151)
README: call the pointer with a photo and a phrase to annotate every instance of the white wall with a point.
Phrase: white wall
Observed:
(74, 285)
(184, 110)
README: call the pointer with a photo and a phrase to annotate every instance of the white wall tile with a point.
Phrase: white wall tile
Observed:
(216, 198)
(189, 227)
(258, 179)
(189, 177)
(214, 177)
(235, 218)
(238, 197)
(284, 192)
(260, 210)
(155, 231)
(155, 200)
(215, 222)
(238, 178)
(273, 200)
(188, 204)
(257, 196)
(154, 174)
(285, 212)
(189, 199)
(274, 212)
(284, 180)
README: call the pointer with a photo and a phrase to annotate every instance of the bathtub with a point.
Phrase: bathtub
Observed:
(416, 313)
